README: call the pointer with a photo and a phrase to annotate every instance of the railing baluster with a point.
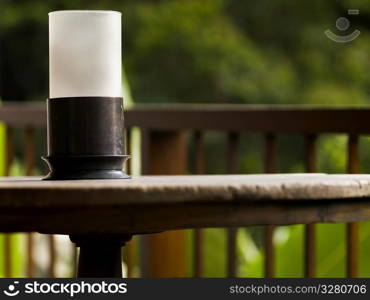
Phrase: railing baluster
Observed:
(353, 164)
(29, 166)
(270, 167)
(231, 252)
(7, 237)
(128, 149)
(7, 255)
(310, 230)
(130, 246)
(9, 150)
(310, 250)
(232, 167)
(352, 228)
(129, 251)
(352, 249)
(164, 254)
(199, 153)
(52, 256)
(198, 233)
(74, 256)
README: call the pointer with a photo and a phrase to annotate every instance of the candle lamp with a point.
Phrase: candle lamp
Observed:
(85, 106)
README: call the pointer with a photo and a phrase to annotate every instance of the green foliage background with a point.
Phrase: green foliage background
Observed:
(224, 51)
(207, 51)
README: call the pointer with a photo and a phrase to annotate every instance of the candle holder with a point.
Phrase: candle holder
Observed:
(85, 108)
(85, 138)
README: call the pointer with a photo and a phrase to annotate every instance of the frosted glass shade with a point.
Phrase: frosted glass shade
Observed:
(85, 53)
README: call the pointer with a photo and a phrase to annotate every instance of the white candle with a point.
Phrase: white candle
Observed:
(85, 54)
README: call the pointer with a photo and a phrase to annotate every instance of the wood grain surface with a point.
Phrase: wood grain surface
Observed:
(158, 203)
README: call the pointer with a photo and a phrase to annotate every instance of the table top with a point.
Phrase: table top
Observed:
(157, 203)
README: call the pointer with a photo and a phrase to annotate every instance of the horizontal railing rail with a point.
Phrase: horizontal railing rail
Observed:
(245, 118)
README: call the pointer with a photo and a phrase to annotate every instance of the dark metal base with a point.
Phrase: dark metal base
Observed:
(100, 256)
(85, 138)
(86, 167)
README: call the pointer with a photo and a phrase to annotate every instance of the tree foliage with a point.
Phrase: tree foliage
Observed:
(210, 51)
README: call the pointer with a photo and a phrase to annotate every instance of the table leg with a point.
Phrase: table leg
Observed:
(100, 255)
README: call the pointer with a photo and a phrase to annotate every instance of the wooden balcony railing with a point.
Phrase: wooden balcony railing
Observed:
(164, 144)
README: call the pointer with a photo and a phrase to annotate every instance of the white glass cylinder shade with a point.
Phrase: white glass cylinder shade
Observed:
(85, 54)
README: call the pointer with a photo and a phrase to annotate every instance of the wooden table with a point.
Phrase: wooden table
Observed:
(101, 215)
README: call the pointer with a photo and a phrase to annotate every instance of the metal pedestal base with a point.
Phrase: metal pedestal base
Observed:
(85, 167)
(85, 138)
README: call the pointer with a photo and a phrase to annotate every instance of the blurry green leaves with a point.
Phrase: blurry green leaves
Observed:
(194, 52)
(215, 252)
(250, 257)
(332, 154)
(331, 254)
(336, 74)
(228, 51)
(335, 93)
(17, 258)
(289, 252)
(354, 63)
(23, 11)
(213, 51)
